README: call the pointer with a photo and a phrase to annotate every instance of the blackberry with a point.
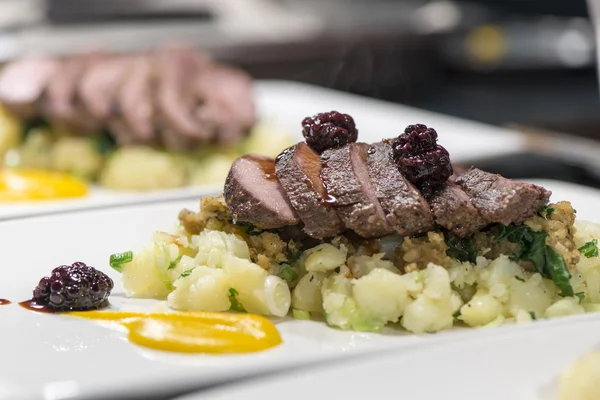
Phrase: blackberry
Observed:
(329, 130)
(420, 159)
(74, 287)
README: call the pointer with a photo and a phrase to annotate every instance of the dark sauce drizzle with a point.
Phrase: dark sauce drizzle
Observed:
(35, 306)
(268, 167)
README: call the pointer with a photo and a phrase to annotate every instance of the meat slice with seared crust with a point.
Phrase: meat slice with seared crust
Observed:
(453, 210)
(350, 191)
(299, 171)
(406, 210)
(502, 200)
(254, 195)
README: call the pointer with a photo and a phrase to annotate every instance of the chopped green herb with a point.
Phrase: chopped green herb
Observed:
(186, 273)
(300, 314)
(580, 296)
(533, 248)
(532, 315)
(235, 304)
(546, 212)
(511, 232)
(519, 278)
(337, 270)
(117, 260)
(558, 272)
(461, 249)
(174, 263)
(288, 273)
(456, 314)
(590, 249)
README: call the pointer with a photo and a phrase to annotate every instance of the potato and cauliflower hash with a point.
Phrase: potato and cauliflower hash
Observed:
(423, 283)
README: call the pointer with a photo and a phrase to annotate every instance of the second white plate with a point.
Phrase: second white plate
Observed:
(283, 105)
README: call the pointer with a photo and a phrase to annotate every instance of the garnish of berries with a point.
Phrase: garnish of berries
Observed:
(74, 287)
(420, 159)
(329, 130)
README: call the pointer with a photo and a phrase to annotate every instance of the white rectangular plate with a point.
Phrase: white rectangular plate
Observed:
(514, 364)
(284, 105)
(57, 357)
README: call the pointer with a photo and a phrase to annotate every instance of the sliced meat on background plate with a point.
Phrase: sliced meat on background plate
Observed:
(60, 103)
(218, 123)
(254, 195)
(176, 97)
(23, 82)
(346, 178)
(227, 93)
(299, 171)
(134, 109)
(100, 84)
(454, 211)
(406, 210)
(502, 200)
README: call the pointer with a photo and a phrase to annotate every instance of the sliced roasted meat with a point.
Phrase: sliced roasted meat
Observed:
(405, 208)
(453, 210)
(100, 84)
(350, 191)
(227, 93)
(299, 171)
(502, 200)
(134, 121)
(176, 97)
(254, 195)
(23, 82)
(61, 102)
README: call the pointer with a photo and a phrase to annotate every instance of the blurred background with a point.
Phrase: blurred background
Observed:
(531, 59)
(527, 64)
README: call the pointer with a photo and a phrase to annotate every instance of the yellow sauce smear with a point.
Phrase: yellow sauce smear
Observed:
(33, 184)
(201, 332)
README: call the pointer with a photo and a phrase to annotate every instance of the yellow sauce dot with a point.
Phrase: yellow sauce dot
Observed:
(34, 185)
(194, 332)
